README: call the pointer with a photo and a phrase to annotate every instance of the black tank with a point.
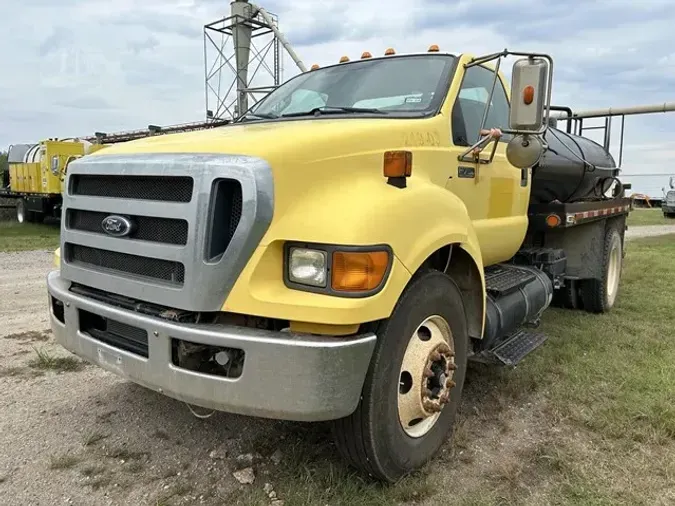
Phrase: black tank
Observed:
(561, 175)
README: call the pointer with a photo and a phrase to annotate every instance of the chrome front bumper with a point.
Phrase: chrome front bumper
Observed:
(285, 376)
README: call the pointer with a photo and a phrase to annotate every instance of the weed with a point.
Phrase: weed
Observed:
(45, 361)
(93, 437)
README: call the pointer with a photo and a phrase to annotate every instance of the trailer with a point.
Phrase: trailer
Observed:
(37, 171)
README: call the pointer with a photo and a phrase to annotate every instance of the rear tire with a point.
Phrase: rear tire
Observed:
(374, 439)
(22, 213)
(599, 295)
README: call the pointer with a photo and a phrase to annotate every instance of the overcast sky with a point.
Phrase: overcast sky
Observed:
(73, 67)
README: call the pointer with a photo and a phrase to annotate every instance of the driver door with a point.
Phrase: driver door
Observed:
(496, 194)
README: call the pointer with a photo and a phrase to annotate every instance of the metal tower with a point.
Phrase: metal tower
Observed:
(243, 59)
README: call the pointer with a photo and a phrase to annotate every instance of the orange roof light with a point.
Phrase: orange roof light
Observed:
(397, 164)
(434, 48)
(358, 271)
(389, 52)
(366, 54)
(315, 66)
(344, 59)
(528, 95)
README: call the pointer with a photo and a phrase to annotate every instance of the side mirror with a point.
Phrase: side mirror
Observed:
(529, 91)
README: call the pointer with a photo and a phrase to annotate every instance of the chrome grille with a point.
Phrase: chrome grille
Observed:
(147, 228)
(126, 264)
(162, 188)
(195, 221)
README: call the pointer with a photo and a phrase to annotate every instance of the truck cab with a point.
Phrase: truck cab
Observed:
(339, 253)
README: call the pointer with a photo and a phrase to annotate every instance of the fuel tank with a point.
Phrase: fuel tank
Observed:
(562, 175)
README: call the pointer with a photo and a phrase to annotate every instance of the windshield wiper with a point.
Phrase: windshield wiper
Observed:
(253, 115)
(334, 110)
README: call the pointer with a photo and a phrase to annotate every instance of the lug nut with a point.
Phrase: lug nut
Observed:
(428, 373)
(452, 366)
(450, 384)
(435, 356)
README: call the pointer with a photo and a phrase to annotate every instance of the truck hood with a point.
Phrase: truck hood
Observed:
(296, 141)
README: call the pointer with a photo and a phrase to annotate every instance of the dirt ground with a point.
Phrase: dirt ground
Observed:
(72, 433)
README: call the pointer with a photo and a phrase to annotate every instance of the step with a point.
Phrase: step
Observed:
(517, 346)
(503, 279)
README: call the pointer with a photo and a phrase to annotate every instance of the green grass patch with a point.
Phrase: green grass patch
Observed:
(45, 361)
(28, 236)
(641, 217)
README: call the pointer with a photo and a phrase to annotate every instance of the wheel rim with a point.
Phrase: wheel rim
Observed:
(613, 273)
(425, 377)
(20, 212)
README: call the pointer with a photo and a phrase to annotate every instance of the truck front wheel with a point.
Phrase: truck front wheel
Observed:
(599, 295)
(414, 383)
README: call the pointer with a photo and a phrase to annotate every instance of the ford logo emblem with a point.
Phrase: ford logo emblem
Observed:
(117, 226)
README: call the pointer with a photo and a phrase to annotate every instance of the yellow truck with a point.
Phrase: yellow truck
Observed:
(37, 173)
(342, 250)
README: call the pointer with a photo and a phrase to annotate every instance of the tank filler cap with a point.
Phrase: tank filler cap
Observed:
(524, 151)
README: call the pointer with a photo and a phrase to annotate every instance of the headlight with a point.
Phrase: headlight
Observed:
(346, 271)
(308, 267)
(55, 165)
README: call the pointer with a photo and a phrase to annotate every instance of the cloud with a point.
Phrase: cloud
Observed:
(72, 67)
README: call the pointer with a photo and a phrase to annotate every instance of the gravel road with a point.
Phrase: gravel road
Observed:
(75, 434)
(85, 436)
(649, 230)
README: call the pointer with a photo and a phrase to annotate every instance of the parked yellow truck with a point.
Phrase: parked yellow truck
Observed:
(342, 250)
(37, 173)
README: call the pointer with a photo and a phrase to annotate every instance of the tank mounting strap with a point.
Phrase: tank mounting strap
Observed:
(502, 279)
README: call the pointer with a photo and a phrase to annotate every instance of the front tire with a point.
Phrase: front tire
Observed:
(414, 384)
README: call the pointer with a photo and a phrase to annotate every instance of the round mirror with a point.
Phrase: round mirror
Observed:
(524, 151)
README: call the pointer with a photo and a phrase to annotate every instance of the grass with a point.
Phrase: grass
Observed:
(44, 361)
(587, 419)
(28, 236)
(641, 217)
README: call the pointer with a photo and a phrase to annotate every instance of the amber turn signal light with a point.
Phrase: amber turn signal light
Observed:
(397, 164)
(434, 48)
(358, 271)
(315, 66)
(366, 54)
(389, 52)
(344, 59)
(553, 220)
(528, 95)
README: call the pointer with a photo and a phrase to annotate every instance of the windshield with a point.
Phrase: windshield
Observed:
(397, 86)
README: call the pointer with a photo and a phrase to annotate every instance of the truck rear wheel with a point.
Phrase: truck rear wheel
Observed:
(414, 384)
(22, 213)
(599, 295)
